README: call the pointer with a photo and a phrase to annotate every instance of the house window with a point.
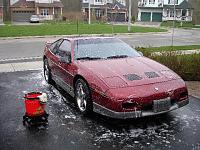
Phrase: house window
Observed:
(98, 13)
(172, 1)
(45, 12)
(189, 13)
(145, 2)
(171, 13)
(98, 1)
(168, 13)
(151, 1)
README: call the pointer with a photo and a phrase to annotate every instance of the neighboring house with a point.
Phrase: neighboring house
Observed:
(163, 10)
(45, 9)
(113, 10)
(1, 10)
(117, 12)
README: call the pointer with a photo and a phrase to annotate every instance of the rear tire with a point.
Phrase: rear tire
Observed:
(47, 72)
(83, 97)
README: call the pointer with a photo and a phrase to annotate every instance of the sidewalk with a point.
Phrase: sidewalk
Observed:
(193, 86)
(22, 66)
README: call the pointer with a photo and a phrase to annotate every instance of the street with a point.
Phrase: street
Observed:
(68, 129)
(33, 47)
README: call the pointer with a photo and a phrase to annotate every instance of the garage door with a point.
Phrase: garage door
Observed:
(117, 17)
(145, 16)
(157, 17)
(22, 16)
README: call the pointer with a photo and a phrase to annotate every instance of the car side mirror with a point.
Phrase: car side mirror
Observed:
(66, 59)
(140, 53)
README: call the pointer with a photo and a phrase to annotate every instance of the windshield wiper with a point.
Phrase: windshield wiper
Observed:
(88, 58)
(117, 56)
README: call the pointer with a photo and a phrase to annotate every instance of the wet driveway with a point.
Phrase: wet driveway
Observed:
(67, 129)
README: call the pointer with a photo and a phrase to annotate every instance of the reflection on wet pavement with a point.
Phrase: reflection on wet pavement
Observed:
(174, 130)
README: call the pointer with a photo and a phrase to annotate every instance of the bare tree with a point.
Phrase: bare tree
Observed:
(196, 14)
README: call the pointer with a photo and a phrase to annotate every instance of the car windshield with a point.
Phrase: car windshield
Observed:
(107, 48)
(34, 16)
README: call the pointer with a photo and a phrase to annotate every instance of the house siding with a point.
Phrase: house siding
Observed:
(1, 13)
(164, 7)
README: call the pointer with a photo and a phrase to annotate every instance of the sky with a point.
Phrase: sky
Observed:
(13, 1)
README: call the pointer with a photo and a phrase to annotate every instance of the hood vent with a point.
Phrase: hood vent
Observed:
(132, 77)
(151, 74)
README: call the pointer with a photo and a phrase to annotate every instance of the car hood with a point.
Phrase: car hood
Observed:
(125, 72)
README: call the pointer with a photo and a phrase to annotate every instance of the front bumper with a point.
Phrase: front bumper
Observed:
(134, 114)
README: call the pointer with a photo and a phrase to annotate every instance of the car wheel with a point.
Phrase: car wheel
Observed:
(83, 97)
(47, 72)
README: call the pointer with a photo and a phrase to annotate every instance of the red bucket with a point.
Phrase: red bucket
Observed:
(33, 105)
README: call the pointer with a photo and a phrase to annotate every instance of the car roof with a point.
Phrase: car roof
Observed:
(87, 38)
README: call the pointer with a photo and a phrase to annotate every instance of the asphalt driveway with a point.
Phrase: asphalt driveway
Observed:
(69, 130)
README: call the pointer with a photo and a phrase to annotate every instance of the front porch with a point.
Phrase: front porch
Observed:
(181, 15)
(50, 13)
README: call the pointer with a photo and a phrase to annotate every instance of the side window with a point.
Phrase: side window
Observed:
(65, 48)
(54, 47)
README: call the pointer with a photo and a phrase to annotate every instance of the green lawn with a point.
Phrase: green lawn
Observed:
(178, 24)
(168, 48)
(197, 26)
(69, 29)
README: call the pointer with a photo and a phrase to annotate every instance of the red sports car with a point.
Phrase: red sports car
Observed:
(107, 76)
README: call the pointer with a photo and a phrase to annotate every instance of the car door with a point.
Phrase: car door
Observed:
(53, 58)
(66, 68)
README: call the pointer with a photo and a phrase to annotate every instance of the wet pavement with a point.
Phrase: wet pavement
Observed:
(68, 129)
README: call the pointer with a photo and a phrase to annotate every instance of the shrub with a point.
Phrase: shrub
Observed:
(178, 24)
(73, 16)
(187, 66)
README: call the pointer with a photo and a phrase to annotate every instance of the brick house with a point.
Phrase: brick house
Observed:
(45, 9)
(1, 10)
(113, 10)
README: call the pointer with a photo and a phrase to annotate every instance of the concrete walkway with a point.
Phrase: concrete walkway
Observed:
(193, 86)
(21, 66)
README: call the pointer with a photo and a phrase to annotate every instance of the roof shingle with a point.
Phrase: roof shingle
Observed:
(54, 4)
(24, 3)
(184, 5)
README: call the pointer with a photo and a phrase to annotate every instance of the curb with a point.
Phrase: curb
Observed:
(22, 59)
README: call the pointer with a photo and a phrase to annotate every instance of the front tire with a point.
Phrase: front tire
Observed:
(47, 72)
(83, 97)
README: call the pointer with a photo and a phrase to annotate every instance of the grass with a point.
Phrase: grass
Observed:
(69, 29)
(178, 24)
(187, 66)
(197, 26)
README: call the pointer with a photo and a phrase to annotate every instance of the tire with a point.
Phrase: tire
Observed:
(47, 72)
(83, 97)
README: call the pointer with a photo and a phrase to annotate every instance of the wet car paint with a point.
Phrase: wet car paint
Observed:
(68, 129)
